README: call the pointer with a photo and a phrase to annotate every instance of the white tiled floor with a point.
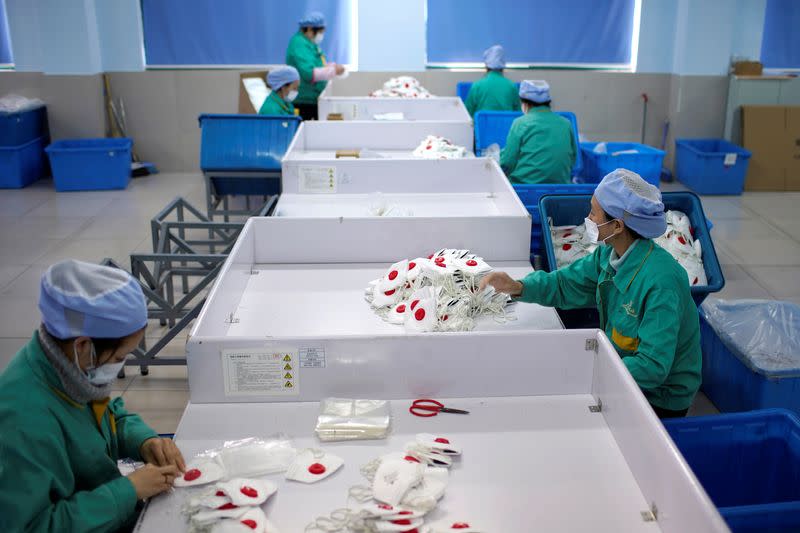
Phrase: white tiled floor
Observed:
(756, 236)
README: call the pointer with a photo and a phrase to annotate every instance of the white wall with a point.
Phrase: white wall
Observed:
(391, 35)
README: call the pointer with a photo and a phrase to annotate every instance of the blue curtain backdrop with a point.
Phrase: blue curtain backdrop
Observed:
(780, 45)
(531, 31)
(6, 56)
(236, 32)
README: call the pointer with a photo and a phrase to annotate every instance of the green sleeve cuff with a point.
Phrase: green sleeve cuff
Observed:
(124, 497)
(529, 294)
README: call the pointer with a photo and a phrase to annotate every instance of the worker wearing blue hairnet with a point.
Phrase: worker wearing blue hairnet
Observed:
(61, 433)
(283, 82)
(540, 147)
(493, 92)
(306, 56)
(640, 290)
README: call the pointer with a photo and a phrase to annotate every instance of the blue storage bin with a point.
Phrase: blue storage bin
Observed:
(530, 194)
(245, 142)
(647, 163)
(737, 381)
(90, 164)
(22, 165)
(463, 87)
(22, 127)
(571, 210)
(748, 463)
(492, 127)
(700, 165)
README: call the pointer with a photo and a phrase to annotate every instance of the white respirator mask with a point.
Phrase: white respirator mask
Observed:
(291, 96)
(102, 375)
(318, 38)
(593, 231)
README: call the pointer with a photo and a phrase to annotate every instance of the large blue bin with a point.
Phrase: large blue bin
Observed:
(738, 381)
(22, 127)
(22, 165)
(647, 162)
(492, 127)
(748, 463)
(90, 164)
(701, 165)
(571, 210)
(463, 87)
(245, 142)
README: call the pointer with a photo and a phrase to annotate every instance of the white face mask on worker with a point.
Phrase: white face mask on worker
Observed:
(318, 38)
(593, 231)
(291, 95)
(102, 375)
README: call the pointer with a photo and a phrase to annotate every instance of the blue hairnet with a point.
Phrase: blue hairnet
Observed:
(625, 195)
(278, 77)
(315, 19)
(82, 299)
(535, 90)
(495, 57)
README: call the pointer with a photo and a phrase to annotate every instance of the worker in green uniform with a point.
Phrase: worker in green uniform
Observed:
(283, 82)
(493, 92)
(60, 433)
(640, 290)
(541, 147)
(305, 55)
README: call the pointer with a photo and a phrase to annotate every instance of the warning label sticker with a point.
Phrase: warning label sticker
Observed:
(259, 373)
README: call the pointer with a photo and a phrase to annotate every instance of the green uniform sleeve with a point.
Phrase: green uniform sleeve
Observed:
(510, 154)
(26, 478)
(471, 103)
(131, 430)
(570, 287)
(303, 62)
(658, 338)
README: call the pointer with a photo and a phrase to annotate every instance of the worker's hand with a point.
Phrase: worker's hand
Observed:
(151, 480)
(502, 282)
(339, 69)
(162, 452)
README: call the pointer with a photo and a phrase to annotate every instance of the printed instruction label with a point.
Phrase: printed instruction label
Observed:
(318, 180)
(260, 373)
(312, 357)
(730, 160)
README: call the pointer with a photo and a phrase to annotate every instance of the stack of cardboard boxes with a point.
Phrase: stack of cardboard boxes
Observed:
(772, 134)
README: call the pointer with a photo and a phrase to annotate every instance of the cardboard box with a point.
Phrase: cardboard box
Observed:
(772, 134)
(245, 105)
(748, 68)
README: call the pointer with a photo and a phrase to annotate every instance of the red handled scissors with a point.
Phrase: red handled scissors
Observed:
(427, 408)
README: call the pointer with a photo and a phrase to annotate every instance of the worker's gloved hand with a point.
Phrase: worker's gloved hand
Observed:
(502, 282)
(162, 452)
(340, 69)
(152, 480)
(493, 151)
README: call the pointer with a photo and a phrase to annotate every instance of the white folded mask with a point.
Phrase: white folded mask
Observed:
(253, 521)
(384, 511)
(384, 297)
(247, 492)
(395, 276)
(422, 315)
(313, 465)
(204, 518)
(428, 456)
(400, 524)
(438, 443)
(394, 478)
(416, 267)
(397, 314)
(214, 500)
(199, 472)
(430, 490)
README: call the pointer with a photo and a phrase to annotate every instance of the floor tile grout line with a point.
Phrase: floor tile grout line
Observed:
(769, 223)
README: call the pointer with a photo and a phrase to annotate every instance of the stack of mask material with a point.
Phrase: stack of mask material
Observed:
(402, 87)
(435, 147)
(348, 419)
(231, 506)
(403, 488)
(437, 293)
(570, 243)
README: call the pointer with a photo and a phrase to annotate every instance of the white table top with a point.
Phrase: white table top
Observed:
(330, 155)
(538, 463)
(359, 205)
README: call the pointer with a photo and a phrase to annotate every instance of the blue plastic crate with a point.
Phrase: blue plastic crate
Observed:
(246, 186)
(647, 163)
(735, 386)
(571, 210)
(245, 142)
(22, 165)
(22, 127)
(748, 463)
(463, 87)
(492, 127)
(700, 165)
(90, 164)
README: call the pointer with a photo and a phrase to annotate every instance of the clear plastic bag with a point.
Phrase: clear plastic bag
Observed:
(14, 103)
(763, 334)
(349, 419)
(251, 457)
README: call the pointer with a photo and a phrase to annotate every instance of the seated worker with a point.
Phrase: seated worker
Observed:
(640, 290)
(284, 82)
(493, 92)
(60, 433)
(541, 147)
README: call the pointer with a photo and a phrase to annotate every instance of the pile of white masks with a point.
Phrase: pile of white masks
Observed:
(402, 87)
(435, 147)
(571, 243)
(231, 506)
(403, 488)
(437, 293)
